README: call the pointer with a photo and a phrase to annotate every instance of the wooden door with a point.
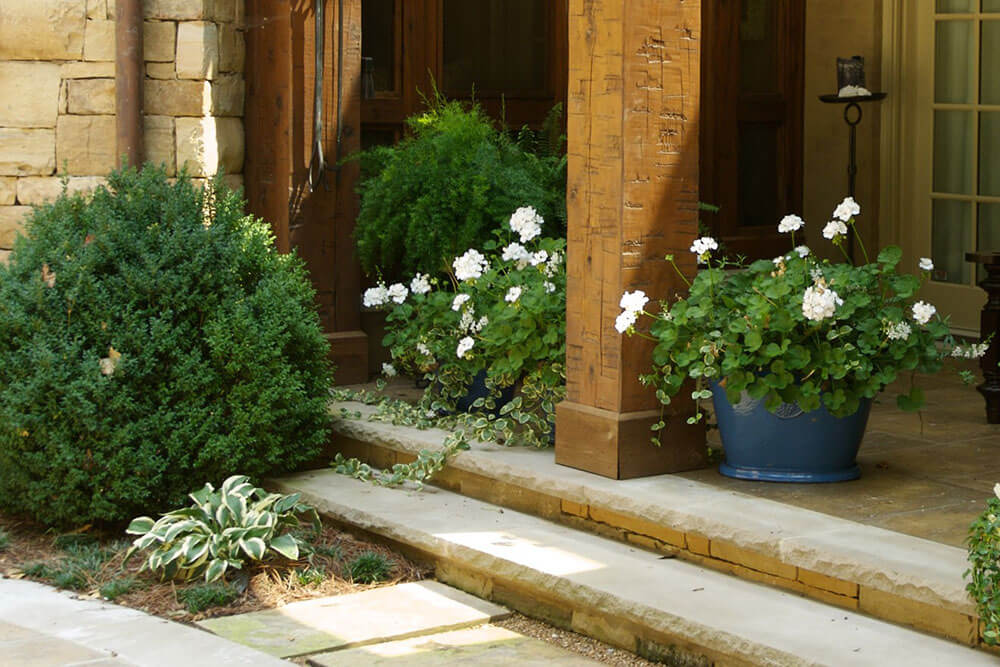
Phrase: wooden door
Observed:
(509, 55)
(751, 109)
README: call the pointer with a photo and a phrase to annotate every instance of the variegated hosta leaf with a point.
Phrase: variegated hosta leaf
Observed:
(232, 482)
(253, 547)
(216, 570)
(286, 545)
(287, 503)
(140, 525)
(237, 507)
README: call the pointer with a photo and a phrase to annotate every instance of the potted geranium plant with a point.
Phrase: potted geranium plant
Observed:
(489, 337)
(793, 350)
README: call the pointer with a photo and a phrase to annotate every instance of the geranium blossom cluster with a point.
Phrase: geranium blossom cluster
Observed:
(703, 248)
(820, 303)
(632, 303)
(527, 223)
(898, 331)
(970, 351)
(470, 266)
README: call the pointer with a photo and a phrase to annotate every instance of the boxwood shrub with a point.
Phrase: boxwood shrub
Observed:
(151, 339)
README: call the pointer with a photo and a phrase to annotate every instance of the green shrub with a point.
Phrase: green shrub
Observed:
(984, 573)
(449, 184)
(221, 531)
(204, 596)
(151, 336)
(369, 567)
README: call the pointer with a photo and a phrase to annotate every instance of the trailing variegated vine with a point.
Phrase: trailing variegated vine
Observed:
(222, 531)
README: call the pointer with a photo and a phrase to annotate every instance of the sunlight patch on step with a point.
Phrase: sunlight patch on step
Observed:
(548, 559)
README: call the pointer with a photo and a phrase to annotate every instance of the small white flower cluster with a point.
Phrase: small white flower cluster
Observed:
(456, 303)
(846, 210)
(926, 264)
(971, 351)
(464, 346)
(923, 312)
(539, 257)
(397, 292)
(470, 266)
(897, 330)
(790, 223)
(632, 303)
(424, 350)
(420, 284)
(515, 252)
(703, 247)
(375, 296)
(469, 324)
(833, 229)
(550, 288)
(552, 266)
(513, 294)
(526, 222)
(819, 303)
(803, 251)
(388, 370)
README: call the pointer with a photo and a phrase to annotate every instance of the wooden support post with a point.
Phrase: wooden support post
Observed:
(632, 198)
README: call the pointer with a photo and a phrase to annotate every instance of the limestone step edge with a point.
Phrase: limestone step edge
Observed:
(889, 575)
(663, 608)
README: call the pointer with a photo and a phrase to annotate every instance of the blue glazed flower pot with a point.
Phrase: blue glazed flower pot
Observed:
(788, 445)
(477, 389)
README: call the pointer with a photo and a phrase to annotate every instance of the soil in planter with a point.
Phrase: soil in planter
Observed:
(90, 563)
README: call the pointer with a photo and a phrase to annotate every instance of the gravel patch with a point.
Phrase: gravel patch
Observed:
(571, 641)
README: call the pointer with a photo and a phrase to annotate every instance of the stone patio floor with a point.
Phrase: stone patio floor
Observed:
(924, 474)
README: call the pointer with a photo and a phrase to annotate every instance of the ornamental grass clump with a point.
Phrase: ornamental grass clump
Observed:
(795, 329)
(500, 315)
(150, 336)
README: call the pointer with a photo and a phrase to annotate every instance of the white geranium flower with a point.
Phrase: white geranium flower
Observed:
(470, 266)
(539, 257)
(481, 324)
(820, 303)
(816, 274)
(424, 350)
(790, 223)
(549, 287)
(420, 284)
(625, 321)
(898, 331)
(526, 222)
(633, 302)
(996, 490)
(803, 251)
(515, 252)
(398, 292)
(779, 260)
(846, 210)
(513, 294)
(552, 266)
(468, 321)
(703, 247)
(926, 264)
(456, 303)
(464, 346)
(971, 351)
(375, 296)
(923, 312)
(388, 370)
(833, 229)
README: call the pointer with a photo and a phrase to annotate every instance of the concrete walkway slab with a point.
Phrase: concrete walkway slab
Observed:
(622, 595)
(42, 626)
(357, 619)
(485, 646)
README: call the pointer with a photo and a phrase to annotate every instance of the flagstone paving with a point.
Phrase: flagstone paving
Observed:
(357, 619)
(485, 646)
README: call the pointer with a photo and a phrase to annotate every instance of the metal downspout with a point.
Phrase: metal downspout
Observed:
(128, 82)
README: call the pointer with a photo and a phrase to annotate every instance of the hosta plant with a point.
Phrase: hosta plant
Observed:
(223, 530)
(795, 329)
(501, 315)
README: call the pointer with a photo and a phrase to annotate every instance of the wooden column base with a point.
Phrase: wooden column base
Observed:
(349, 351)
(617, 445)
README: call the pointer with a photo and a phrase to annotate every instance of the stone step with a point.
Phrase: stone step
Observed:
(357, 619)
(889, 575)
(485, 646)
(661, 607)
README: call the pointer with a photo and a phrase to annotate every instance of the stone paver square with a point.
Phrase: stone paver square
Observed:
(486, 646)
(379, 615)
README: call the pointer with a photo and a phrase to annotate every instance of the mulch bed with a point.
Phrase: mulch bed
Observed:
(34, 552)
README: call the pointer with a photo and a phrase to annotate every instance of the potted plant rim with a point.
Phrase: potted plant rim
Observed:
(792, 351)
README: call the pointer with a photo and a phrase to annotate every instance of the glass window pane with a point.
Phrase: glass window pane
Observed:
(989, 64)
(991, 5)
(951, 238)
(953, 152)
(758, 184)
(495, 46)
(378, 40)
(758, 47)
(953, 62)
(955, 6)
(989, 228)
(989, 153)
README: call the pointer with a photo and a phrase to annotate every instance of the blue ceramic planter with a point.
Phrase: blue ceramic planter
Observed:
(478, 390)
(788, 445)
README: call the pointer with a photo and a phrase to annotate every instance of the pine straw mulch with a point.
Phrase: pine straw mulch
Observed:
(268, 586)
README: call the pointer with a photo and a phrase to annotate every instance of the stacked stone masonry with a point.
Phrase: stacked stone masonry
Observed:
(57, 96)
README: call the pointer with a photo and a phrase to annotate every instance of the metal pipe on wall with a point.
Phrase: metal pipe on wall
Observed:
(128, 82)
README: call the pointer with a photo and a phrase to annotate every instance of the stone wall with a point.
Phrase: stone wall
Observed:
(57, 95)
